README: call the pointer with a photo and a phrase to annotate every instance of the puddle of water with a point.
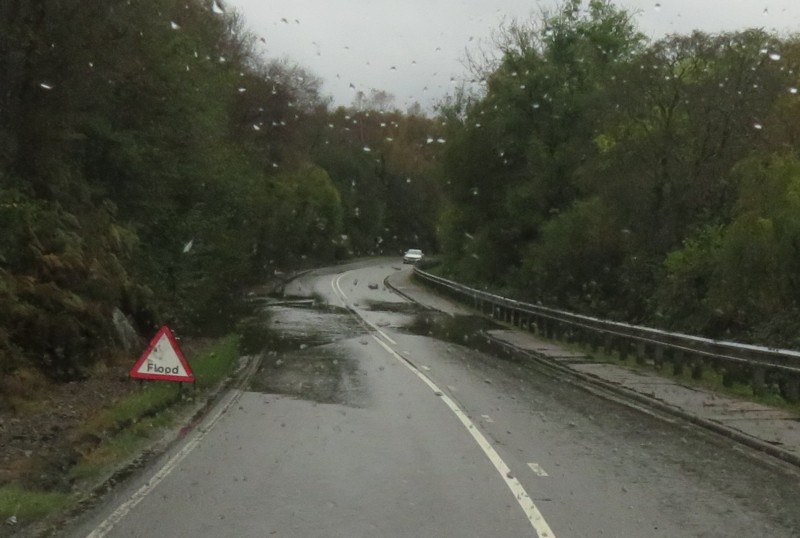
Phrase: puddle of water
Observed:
(300, 361)
(394, 307)
(321, 374)
(291, 327)
(468, 331)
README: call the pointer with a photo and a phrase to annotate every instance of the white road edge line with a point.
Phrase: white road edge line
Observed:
(122, 510)
(537, 469)
(530, 509)
(337, 289)
(528, 506)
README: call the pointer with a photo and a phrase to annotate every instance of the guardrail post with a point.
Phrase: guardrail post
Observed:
(594, 341)
(641, 352)
(677, 362)
(698, 366)
(658, 357)
(559, 330)
(608, 344)
(760, 367)
(623, 348)
(759, 379)
(790, 389)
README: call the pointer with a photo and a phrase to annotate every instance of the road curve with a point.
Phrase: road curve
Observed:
(371, 417)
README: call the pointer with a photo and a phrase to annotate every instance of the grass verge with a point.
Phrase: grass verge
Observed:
(26, 505)
(118, 433)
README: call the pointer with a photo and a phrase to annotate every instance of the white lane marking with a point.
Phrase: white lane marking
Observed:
(487, 418)
(537, 469)
(337, 290)
(122, 510)
(528, 506)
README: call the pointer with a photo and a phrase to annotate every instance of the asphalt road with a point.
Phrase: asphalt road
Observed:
(371, 417)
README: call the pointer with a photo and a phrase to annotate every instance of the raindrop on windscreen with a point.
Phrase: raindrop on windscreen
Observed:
(216, 8)
(256, 127)
(242, 90)
(758, 126)
(45, 86)
(793, 90)
(367, 149)
(430, 140)
(657, 7)
(188, 246)
(774, 56)
(174, 25)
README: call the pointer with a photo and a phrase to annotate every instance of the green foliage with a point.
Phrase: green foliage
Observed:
(650, 182)
(151, 162)
(27, 505)
(586, 244)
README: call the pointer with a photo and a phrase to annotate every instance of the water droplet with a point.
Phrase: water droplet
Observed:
(188, 246)
(793, 90)
(774, 56)
(216, 8)
(758, 126)
(242, 90)
(174, 25)
(657, 7)
(441, 140)
(367, 149)
(45, 86)
(430, 140)
(256, 127)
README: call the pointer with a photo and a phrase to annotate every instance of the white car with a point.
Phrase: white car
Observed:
(412, 255)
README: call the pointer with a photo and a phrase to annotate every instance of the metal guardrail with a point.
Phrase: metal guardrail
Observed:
(761, 367)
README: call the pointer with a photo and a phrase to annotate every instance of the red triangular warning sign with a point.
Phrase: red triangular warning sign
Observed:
(163, 360)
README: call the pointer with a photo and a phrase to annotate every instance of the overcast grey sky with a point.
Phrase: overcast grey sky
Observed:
(414, 49)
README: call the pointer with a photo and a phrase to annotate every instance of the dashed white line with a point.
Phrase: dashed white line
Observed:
(532, 512)
(537, 469)
(530, 509)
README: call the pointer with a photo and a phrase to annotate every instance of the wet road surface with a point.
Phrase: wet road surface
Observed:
(373, 417)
